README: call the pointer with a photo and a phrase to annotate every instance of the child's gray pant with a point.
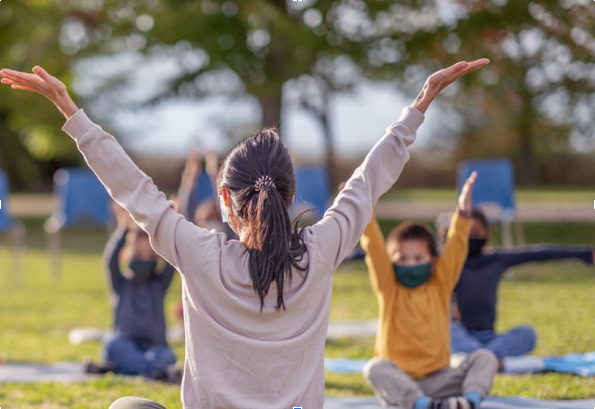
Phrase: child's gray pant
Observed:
(393, 387)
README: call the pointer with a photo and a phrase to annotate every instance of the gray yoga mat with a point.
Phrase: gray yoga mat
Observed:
(60, 372)
(493, 402)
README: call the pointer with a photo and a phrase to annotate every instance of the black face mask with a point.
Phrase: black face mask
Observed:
(143, 268)
(476, 246)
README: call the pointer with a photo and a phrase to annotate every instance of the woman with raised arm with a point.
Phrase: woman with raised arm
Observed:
(256, 309)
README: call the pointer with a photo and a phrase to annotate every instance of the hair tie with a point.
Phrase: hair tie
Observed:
(263, 181)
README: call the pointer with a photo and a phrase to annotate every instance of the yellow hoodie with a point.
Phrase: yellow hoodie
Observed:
(414, 323)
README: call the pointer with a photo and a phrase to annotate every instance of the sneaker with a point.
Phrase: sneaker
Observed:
(457, 402)
(170, 374)
(91, 367)
(174, 374)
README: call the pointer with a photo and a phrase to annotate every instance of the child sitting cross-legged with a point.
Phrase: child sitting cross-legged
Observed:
(414, 286)
(138, 345)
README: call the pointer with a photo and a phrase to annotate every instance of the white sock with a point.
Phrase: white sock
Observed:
(523, 364)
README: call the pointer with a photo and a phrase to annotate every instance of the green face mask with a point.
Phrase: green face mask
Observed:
(413, 276)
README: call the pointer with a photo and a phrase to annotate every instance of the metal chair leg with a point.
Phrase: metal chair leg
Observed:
(19, 234)
(52, 229)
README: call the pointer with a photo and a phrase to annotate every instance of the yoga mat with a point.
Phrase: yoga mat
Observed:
(61, 372)
(578, 364)
(493, 402)
(344, 365)
(340, 329)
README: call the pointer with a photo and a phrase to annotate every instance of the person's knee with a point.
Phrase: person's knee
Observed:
(129, 402)
(169, 356)
(374, 369)
(484, 358)
(115, 342)
(529, 335)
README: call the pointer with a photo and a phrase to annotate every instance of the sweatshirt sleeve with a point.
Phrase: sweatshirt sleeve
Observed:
(544, 252)
(181, 243)
(344, 222)
(379, 265)
(450, 263)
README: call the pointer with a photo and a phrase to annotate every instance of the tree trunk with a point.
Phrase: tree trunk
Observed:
(270, 103)
(527, 160)
(327, 134)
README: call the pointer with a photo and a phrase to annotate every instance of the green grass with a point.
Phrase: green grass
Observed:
(557, 298)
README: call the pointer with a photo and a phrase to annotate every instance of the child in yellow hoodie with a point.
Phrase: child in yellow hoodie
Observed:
(414, 286)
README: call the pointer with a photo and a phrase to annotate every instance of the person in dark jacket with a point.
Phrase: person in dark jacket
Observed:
(476, 293)
(138, 345)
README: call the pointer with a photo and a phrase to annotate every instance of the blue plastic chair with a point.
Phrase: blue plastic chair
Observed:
(5, 220)
(493, 192)
(312, 189)
(82, 203)
(11, 226)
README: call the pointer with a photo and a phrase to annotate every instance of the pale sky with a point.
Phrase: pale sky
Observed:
(359, 119)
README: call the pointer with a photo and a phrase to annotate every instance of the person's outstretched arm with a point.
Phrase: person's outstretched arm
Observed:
(174, 238)
(544, 252)
(450, 263)
(344, 222)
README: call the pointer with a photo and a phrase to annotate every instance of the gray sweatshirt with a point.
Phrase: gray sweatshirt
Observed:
(238, 356)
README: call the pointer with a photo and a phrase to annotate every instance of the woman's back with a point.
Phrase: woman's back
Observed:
(236, 352)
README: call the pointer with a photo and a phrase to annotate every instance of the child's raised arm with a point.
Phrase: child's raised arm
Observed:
(111, 259)
(174, 238)
(456, 247)
(340, 229)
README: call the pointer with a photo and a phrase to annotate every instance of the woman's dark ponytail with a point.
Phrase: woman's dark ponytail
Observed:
(259, 175)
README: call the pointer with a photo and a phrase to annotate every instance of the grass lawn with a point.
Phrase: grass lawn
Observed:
(557, 298)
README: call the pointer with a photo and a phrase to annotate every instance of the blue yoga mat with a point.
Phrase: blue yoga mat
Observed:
(344, 365)
(578, 364)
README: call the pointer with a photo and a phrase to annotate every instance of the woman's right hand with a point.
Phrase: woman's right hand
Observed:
(442, 79)
(42, 83)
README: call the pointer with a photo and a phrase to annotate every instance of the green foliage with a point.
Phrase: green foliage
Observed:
(30, 33)
(536, 94)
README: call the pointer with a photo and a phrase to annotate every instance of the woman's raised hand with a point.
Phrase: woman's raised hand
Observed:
(442, 79)
(42, 83)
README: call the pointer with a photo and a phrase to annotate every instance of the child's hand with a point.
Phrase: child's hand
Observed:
(442, 79)
(341, 186)
(42, 83)
(465, 198)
